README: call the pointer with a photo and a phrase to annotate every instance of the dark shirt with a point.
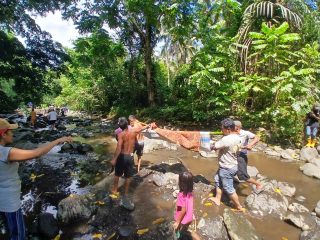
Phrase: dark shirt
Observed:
(311, 120)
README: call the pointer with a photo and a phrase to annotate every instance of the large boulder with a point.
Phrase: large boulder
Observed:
(272, 152)
(311, 235)
(311, 170)
(270, 201)
(160, 179)
(213, 228)
(252, 171)
(289, 154)
(48, 225)
(151, 144)
(75, 207)
(239, 228)
(317, 209)
(303, 221)
(307, 154)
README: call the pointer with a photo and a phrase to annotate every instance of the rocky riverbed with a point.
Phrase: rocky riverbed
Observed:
(66, 194)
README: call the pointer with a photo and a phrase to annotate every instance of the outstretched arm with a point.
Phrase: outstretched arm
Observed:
(17, 154)
(255, 140)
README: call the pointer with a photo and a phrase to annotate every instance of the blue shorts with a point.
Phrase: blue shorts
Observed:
(15, 225)
(224, 179)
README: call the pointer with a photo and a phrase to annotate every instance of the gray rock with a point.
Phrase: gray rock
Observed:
(252, 171)
(126, 231)
(272, 152)
(317, 209)
(164, 179)
(48, 225)
(26, 145)
(289, 154)
(315, 161)
(311, 170)
(303, 221)
(239, 228)
(61, 127)
(307, 154)
(298, 208)
(269, 201)
(311, 235)
(75, 207)
(286, 189)
(213, 228)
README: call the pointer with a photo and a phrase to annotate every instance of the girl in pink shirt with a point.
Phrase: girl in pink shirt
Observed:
(184, 207)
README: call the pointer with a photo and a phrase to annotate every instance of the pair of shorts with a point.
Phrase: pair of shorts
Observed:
(125, 166)
(224, 179)
(15, 225)
(242, 167)
(138, 148)
(51, 122)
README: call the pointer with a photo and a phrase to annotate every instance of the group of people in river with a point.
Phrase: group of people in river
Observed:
(233, 148)
(233, 160)
(52, 116)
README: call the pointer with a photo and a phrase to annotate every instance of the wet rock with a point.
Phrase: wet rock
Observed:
(61, 127)
(260, 147)
(307, 154)
(164, 179)
(127, 204)
(83, 123)
(84, 148)
(311, 170)
(269, 201)
(289, 154)
(317, 209)
(315, 161)
(303, 221)
(213, 228)
(156, 144)
(206, 154)
(48, 225)
(286, 189)
(26, 145)
(75, 208)
(272, 152)
(144, 172)
(311, 235)
(298, 208)
(41, 124)
(126, 232)
(239, 228)
(26, 135)
(252, 171)
(87, 135)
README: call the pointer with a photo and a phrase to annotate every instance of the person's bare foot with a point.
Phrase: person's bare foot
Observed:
(215, 201)
(258, 186)
(239, 209)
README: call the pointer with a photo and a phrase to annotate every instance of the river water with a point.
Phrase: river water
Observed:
(151, 204)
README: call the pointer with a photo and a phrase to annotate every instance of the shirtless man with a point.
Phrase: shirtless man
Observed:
(139, 144)
(123, 157)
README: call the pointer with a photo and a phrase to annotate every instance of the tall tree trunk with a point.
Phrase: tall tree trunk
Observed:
(148, 65)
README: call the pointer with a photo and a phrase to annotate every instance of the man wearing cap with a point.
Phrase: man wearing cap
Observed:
(10, 184)
(243, 154)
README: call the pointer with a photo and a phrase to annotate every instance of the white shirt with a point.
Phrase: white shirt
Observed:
(245, 137)
(52, 116)
(229, 147)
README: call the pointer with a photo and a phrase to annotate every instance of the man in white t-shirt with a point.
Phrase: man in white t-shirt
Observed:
(228, 147)
(243, 155)
(52, 117)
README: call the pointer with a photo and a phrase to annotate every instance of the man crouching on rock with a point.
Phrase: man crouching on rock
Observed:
(123, 160)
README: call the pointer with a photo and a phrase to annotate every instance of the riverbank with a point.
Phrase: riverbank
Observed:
(73, 185)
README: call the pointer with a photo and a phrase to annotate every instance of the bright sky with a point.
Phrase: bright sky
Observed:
(61, 30)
